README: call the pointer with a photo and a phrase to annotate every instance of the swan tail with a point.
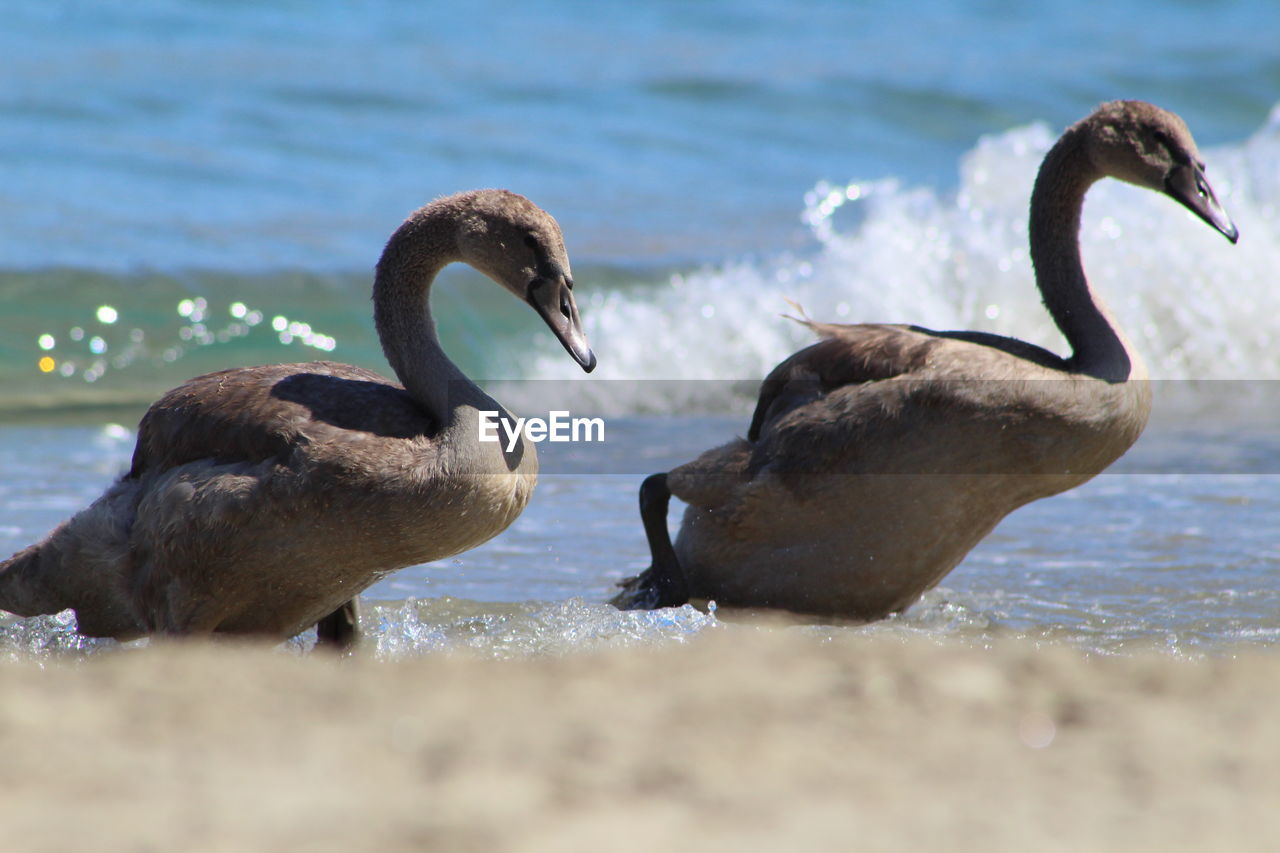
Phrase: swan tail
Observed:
(83, 564)
(20, 589)
(801, 316)
(822, 330)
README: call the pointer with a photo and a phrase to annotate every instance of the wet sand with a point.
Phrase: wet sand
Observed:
(739, 740)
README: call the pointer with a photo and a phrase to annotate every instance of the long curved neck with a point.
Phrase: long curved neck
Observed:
(414, 255)
(412, 259)
(1098, 347)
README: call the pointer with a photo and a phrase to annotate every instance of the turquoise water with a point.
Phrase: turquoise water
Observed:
(243, 136)
(195, 185)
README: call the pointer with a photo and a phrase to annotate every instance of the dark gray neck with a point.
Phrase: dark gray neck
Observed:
(414, 255)
(1097, 346)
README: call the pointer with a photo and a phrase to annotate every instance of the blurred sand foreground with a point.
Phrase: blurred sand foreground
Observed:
(742, 740)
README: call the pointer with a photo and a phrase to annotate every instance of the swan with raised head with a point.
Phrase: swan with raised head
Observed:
(879, 456)
(263, 500)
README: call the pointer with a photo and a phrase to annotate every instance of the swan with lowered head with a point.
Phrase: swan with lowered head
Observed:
(879, 456)
(263, 500)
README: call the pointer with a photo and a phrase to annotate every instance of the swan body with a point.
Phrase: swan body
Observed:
(261, 500)
(879, 456)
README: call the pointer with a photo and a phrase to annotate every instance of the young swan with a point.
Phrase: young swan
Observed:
(264, 499)
(878, 457)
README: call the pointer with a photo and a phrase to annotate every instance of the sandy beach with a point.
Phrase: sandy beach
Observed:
(756, 740)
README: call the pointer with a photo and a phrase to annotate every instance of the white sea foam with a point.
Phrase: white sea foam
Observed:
(415, 627)
(1195, 306)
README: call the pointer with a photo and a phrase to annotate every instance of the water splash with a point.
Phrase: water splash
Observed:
(526, 629)
(45, 638)
(416, 627)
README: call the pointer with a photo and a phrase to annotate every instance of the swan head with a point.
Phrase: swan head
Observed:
(519, 245)
(1142, 144)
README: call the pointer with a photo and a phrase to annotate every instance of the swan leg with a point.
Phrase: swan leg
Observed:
(663, 584)
(340, 630)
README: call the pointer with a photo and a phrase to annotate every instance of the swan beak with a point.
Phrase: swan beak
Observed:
(552, 298)
(1188, 185)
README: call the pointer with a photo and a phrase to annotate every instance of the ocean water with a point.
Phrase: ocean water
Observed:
(196, 185)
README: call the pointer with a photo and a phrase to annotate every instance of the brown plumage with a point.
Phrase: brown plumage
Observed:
(260, 500)
(879, 456)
